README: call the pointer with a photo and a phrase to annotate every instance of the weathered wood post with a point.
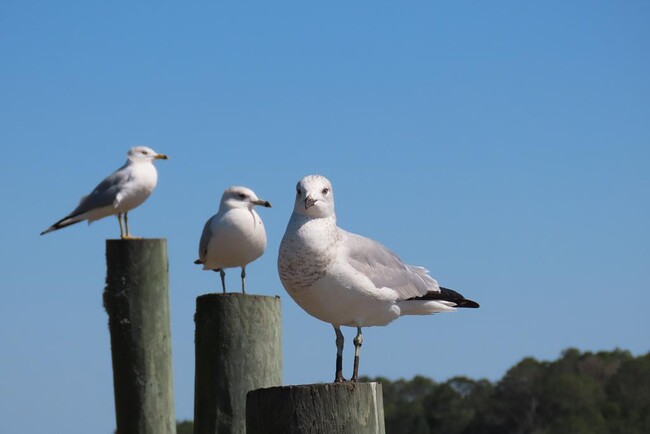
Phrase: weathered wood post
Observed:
(354, 408)
(238, 348)
(136, 299)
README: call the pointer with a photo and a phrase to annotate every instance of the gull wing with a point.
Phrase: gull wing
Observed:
(104, 194)
(205, 239)
(385, 269)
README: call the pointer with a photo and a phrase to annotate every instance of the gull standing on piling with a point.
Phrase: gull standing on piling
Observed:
(235, 235)
(348, 280)
(125, 189)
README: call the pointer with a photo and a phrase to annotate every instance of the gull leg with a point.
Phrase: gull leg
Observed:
(243, 279)
(223, 279)
(358, 341)
(340, 340)
(119, 219)
(128, 233)
(126, 223)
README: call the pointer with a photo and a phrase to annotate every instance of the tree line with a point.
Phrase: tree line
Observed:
(590, 393)
(579, 393)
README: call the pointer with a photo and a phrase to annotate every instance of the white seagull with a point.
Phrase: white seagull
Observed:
(235, 235)
(126, 188)
(348, 280)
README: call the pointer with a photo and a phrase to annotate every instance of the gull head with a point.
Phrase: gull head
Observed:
(314, 197)
(144, 154)
(241, 197)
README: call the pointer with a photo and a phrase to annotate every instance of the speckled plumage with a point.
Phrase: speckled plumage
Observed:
(306, 251)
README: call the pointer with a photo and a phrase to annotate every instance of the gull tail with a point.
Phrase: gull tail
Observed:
(448, 295)
(445, 300)
(201, 262)
(64, 222)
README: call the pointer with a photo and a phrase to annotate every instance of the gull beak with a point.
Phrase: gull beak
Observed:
(310, 201)
(261, 202)
(161, 157)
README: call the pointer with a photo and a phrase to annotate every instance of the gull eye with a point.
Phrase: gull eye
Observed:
(325, 190)
(242, 196)
(298, 192)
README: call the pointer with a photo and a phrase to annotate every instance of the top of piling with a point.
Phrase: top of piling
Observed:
(220, 296)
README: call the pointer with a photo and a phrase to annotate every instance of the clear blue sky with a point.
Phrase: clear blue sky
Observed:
(504, 146)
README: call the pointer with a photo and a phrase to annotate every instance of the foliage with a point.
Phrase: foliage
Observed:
(184, 427)
(580, 393)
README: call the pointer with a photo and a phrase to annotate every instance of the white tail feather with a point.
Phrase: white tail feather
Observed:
(425, 307)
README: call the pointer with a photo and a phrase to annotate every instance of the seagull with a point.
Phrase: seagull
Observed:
(235, 235)
(125, 189)
(349, 280)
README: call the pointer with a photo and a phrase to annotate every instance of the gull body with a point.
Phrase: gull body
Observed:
(235, 236)
(347, 279)
(125, 189)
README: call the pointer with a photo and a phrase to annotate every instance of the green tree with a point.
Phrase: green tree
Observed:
(628, 397)
(579, 393)
(450, 407)
(403, 404)
(514, 405)
(184, 427)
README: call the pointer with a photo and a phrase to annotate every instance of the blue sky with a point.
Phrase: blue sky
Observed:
(504, 146)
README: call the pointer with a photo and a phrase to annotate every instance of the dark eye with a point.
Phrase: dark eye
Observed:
(297, 192)
(242, 196)
(325, 190)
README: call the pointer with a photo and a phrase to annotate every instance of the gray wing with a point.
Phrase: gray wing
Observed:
(104, 194)
(385, 269)
(205, 239)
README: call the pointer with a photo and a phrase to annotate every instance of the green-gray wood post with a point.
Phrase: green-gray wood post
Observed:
(354, 408)
(136, 299)
(238, 349)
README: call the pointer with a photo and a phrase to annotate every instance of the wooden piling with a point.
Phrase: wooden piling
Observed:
(136, 299)
(238, 349)
(354, 408)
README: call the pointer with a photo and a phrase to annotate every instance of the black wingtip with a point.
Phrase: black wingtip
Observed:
(60, 224)
(52, 228)
(447, 294)
(467, 303)
(458, 298)
(55, 227)
(198, 261)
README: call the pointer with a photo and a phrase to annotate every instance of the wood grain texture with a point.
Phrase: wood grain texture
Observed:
(238, 349)
(354, 408)
(136, 299)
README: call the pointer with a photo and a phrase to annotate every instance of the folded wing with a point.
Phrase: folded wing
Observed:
(385, 269)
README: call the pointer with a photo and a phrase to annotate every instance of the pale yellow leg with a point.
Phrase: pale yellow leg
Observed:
(119, 219)
(126, 223)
